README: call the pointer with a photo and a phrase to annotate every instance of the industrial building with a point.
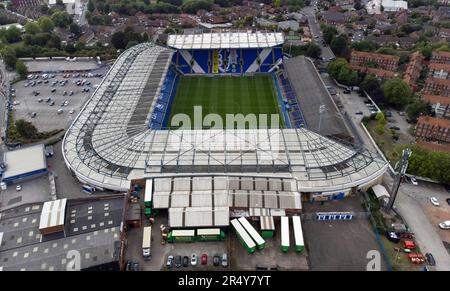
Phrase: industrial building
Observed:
(23, 164)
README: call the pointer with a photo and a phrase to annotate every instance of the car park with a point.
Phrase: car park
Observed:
(185, 261)
(434, 201)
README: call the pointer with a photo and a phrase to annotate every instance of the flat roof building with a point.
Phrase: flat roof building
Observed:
(24, 164)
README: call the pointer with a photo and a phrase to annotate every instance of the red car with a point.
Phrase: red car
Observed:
(204, 259)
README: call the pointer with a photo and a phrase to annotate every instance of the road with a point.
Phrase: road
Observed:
(314, 27)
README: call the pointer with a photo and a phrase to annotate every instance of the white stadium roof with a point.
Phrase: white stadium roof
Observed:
(109, 143)
(225, 40)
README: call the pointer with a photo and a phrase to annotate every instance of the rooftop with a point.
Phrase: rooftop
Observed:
(225, 40)
(433, 99)
(24, 160)
(375, 56)
(441, 122)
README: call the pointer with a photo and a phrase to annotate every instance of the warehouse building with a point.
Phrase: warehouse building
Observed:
(24, 164)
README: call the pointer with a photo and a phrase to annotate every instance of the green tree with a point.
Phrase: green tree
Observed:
(9, 57)
(21, 69)
(119, 40)
(313, 51)
(25, 129)
(46, 24)
(32, 28)
(61, 19)
(416, 108)
(75, 29)
(339, 45)
(329, 33)
(91, 6)
(397, 92)
(13, 34)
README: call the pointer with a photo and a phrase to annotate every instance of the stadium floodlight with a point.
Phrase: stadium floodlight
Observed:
(321, 110)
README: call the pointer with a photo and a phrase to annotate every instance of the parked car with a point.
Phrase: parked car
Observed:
(401, 113)
(395, 127)
(178, 261)
(434, 201)
(185, 261)
(128, 266)
(414, 181)
(359, 113)
(347, 91)
(40, 100)
(216, 260)
(194, 259)
(33, 114)
(448, 201)
(388, 114)
(53, 90)
(224, 260)
(169, 262)
(136, 267)
(445, 224)
(19, 188)
(204, 259)
(430, 259)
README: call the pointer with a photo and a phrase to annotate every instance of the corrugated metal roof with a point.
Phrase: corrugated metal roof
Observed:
(267, 223)
(53, 213)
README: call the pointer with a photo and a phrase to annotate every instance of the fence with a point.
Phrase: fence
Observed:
(334, 215)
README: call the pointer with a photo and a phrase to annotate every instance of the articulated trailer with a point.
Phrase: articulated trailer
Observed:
(243, 236)
(298, 234)
(181, 235)
(210, 234)
(260, 242)
(285, 234)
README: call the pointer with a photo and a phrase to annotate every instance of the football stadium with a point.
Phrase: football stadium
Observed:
(129, 131)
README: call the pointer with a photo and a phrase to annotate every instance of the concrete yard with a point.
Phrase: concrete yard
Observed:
(271, 257)
(339, 245)
(35, 190)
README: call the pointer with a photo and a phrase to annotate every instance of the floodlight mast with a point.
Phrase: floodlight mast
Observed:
(321, 110)
(400, 171)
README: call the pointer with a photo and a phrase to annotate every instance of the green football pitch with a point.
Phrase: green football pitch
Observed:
(224, 95)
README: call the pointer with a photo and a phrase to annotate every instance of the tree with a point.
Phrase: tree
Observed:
(339, 45)
(340, 70)
(119, 40)
(61, 19)
(397, 92)
(313, 51)
(9, 57)
(381, 123)
(21, 69)
(329, 33)
(25, 129)
(32, 28)
(75, 29)
(91, 6)
(417, 108)
(46, 24)
(13, 34)
(145, 37)
(365, 46)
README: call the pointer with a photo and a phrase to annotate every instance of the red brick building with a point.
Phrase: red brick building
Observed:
(384, 62)
(439, 70)
(412, 72)
(436, 86)
(433, 129)
(440, 105)
(440, 57)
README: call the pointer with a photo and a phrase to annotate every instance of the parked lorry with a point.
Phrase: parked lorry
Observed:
(147, 243)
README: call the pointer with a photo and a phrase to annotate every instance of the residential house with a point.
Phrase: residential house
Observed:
(439, 104)
(441, 57)
(375, 60)
(436, 86)
(334, 18)
(433, 129)
(439, 70)
(412, 72)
